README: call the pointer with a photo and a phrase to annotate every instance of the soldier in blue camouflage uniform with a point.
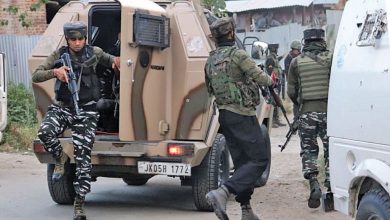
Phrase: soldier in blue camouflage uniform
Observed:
(61, 115)
(234, 79)
(308, 83)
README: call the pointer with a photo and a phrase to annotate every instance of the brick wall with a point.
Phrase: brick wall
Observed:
(38, 18)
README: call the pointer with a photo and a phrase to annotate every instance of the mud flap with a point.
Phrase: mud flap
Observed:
(327, 202)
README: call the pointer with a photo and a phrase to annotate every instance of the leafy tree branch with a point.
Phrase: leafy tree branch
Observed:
(22, 15)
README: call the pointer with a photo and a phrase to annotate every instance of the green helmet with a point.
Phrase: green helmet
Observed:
(221, 27)
(75, 29)
(296, 45)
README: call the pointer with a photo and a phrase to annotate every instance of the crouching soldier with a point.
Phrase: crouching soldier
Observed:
(63, 113)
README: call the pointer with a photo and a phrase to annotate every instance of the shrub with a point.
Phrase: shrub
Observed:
(22, 122)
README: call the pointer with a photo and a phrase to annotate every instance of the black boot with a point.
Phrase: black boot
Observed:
(59, 167)
(218, 199)
(247, 213)
(315, 194)
(79, 213)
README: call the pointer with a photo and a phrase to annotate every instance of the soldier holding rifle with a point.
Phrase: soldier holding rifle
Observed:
(80, 115)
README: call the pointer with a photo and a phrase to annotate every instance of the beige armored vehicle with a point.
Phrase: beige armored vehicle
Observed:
(157, 119)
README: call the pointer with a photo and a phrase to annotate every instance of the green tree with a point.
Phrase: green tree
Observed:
(22, 15)
(218, 7)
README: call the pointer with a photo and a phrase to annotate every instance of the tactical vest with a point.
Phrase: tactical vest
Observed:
(227, 90)
(84, 66)
(314, 75)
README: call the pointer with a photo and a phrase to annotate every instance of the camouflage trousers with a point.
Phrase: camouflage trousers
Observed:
(83, 127)
(311, 126)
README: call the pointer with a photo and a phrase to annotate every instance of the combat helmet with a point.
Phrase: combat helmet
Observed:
(221, 27)
(296, 45)
(75, 29)
(314, 34)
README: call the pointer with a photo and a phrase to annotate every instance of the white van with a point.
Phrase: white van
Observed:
(358, 112)
(3, 95)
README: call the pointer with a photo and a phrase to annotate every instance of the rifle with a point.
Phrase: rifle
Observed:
(283, 85)
(72, 85)
(293, 127)
(278, 103)
(293, 130)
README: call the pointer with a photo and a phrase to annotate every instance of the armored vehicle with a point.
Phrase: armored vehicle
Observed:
(158, 118)
(359, 140)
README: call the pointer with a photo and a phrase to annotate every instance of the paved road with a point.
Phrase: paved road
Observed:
(24, 194)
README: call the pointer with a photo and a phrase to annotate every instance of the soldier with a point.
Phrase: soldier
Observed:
(275, 71)
(308, 82)
(234, 79)
(294, 52)
(61, 114)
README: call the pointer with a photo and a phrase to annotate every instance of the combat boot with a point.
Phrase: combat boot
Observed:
(59, 167)
(247, 213)
(315, 194)
(218, 199)
(79, 213)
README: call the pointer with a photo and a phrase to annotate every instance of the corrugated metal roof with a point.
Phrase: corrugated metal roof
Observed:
(318, 2)
(248, 5)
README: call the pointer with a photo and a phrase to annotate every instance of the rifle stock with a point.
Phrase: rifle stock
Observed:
(72, 85)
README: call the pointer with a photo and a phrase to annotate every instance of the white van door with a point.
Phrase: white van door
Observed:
(3, 94)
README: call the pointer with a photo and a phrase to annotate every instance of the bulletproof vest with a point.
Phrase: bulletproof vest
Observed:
(84, 66)
(226, 90)
(314, 72)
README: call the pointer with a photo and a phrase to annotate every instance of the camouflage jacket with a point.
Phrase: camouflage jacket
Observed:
(272, 64)
(242, 68)
(45, 70)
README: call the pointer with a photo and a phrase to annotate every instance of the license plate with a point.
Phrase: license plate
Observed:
(176, 169)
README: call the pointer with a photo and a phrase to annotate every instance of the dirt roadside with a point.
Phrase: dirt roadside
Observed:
(285, 195)
(283, 198)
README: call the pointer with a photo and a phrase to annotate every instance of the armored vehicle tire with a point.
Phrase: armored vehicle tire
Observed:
(264, 177)
(375, 205)
(211, 173)
(62, 192)
(135, 181)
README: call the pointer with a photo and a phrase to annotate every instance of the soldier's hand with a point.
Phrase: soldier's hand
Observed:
(116, 63)
(61, 73)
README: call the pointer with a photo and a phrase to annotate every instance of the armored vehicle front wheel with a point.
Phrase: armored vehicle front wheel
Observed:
(62, 192)
(264, 177)
(211, 173)
(375, 205)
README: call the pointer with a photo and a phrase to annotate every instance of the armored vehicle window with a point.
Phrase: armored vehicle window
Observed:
(105, 22)
(151, 30)
(374, 26)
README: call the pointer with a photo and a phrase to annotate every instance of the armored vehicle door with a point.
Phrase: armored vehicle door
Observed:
(3, 94)
(163, 52)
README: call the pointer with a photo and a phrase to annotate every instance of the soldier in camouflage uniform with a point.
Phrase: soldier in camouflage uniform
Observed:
(296, 47)
(308, 84)
(274, 69)
(234, 79)
(61, 114)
